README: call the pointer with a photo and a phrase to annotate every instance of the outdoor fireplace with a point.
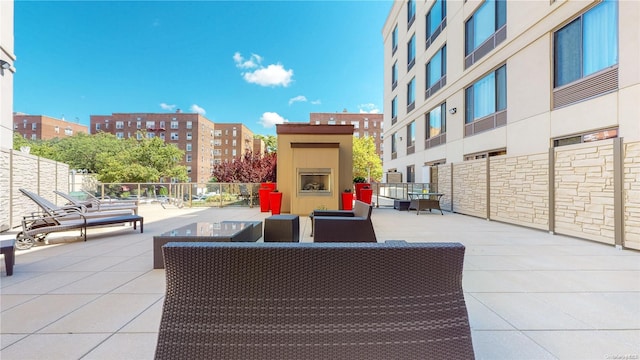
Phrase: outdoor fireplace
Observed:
(314, 181)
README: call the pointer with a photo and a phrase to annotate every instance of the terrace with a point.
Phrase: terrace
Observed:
(529, 294)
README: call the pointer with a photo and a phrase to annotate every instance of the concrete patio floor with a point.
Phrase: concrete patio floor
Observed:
(530, 294)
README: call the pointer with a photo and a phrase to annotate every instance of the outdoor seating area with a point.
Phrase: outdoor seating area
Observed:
(344, 225)
(528, 294)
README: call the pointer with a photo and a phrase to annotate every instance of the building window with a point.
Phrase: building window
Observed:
(188, 147)
(217, 132)
(411, 137)
(98, 126)
(188, 169)
(174, 136)
(394, 145)
(436, 72)
(233, 152)
(411, 173)
(588, 137)
(188, 158)
(394, 75)
(411, 52)
(189, 136)
(411, 13)
(56, 129)
(235, 133)
(356, 125)
(189, 125)
(119, 124)
(162, 135)
(34, 137)
(585, 53)
(68, 131)
(151, 125)
(162, 125)
(485, 30)
(234, 142)
(139, 135)
(151, 135)
(411, 95)
(394, 110)
(174, 124)
(138, 124)
(436, 20)
(394, 40)
(119, 135)
(436, 126)
(331, 122)
(486, 102)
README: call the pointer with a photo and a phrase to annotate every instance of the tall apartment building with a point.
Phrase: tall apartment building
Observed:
(190, 132)
(364, 124)
(470, 79)
(232, 141)
(42, 127)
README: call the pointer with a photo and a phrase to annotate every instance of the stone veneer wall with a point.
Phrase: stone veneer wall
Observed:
(519, 190)
(631, 196)
(584, 193)
(21, 170)
(444, 186)
(470, 188)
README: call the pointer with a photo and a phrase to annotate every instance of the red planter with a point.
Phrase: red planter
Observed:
(263, 194)
(275, 202)
(347, 201)
(366, 195)
(360, 186)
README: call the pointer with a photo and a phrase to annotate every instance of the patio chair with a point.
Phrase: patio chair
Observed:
(344, 225)
(95, 205)
(392, 300)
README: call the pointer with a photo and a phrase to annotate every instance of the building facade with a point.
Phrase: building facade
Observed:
(190, 132)
(465, 80)
(232, 141)
(40, 127)
(7, 58)
(364, 124)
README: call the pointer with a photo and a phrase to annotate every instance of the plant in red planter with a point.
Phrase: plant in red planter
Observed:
(275, 201)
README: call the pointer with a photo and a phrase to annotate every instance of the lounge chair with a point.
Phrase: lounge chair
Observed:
(344, 225)
(52, 209)
(373, 301)
(96, 205)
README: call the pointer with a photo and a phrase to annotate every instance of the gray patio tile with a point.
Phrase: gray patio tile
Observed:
(143, 263)
(52, 346)
(529, 311)
(483, 318)
(40, 312)
(108, 313)
(44, 283)
(507, 345)
(8, 339)
(9, 301)
(148, 321)
(95, 263)
(151, 282)
(98, 283)
(592, 344)
(139, 346)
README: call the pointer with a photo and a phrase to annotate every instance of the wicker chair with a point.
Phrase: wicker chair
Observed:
(344, 226)
(332, 301)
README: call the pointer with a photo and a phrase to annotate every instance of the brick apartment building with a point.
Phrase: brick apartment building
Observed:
(190, 132)
(364, 124)
(232, 141)
(40, 127)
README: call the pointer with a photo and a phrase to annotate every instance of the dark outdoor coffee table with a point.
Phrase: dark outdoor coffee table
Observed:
(225, 231)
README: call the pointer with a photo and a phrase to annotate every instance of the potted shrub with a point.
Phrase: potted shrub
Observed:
(360, 183)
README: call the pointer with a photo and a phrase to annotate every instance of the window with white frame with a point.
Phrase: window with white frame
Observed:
(174, 136)
(188, 147)
(138, 124)
(162, 136)
(119, 124)
(98, 126)
(56, 129)
(189, 125)
(485, 30)
(189, 136)
(188, 158)
(162, 125)
(233, 152)
(119, 135)
(150, 135)
(174, 124)
(68, 131)
(150, 125)
(411, 134)
(34, 136)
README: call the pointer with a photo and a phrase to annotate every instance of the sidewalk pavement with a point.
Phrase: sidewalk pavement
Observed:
(530, 294)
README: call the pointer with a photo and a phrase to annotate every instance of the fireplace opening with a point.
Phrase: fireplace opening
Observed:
(314, 181)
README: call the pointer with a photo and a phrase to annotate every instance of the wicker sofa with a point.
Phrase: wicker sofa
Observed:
(344, 226)
(392, 300)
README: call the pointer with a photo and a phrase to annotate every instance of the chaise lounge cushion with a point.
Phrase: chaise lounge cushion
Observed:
(344, 226)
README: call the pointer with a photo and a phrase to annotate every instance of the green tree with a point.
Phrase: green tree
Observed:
(366, 162)
(270, 142)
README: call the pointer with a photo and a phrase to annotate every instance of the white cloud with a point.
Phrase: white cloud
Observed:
(270, 119)
(368, 109)
(167, 107)
(316, 102)
(271, 75)
(299, 98)
(253, 62)
(197, 109)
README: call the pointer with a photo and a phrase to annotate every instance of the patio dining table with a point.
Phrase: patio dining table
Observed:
(425, 201)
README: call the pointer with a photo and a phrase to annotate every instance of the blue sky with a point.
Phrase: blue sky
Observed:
(254, 62)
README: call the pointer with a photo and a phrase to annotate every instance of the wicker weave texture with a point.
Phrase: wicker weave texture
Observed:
(314, 301)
